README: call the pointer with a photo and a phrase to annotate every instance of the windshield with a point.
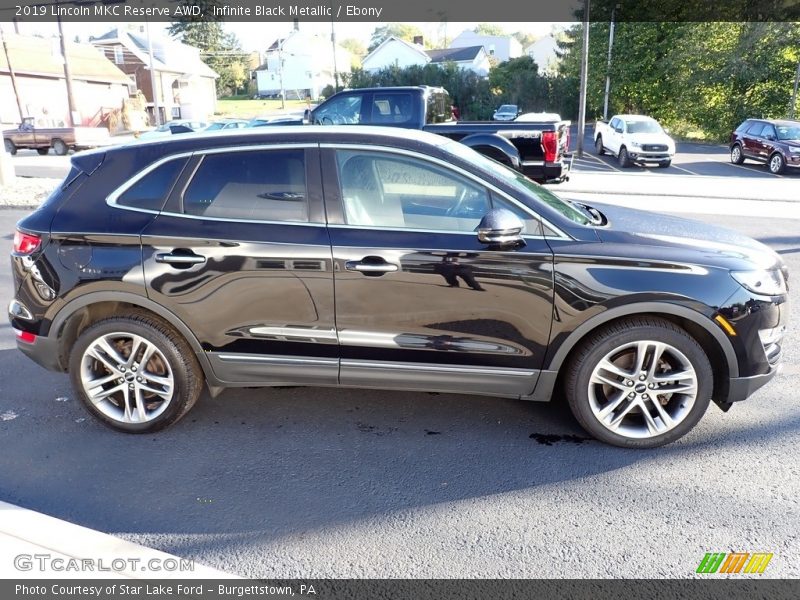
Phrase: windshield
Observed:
(519, 182)
(788, 132)
(643, 126)
(508, 108)
(215, 126)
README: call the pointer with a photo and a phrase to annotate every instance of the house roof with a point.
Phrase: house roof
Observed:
(454, 54)
(42, 57)
(168, 55)
(415, 47)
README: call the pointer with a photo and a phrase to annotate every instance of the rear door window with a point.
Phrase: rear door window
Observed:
(394, 108)
(151, 191)
(755, 129)
(261, 185)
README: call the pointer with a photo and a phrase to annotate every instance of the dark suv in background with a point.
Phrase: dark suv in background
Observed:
(382, 258)
(775, 143)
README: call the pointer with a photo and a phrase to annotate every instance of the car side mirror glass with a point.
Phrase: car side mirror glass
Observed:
(501, 227)
(618, 129)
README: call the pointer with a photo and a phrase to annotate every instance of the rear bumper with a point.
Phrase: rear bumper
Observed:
(548, 172)
(43, 351)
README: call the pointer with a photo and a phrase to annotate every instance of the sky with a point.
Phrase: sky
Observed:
(258, 36)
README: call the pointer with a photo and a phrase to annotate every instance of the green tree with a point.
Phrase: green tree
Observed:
(489, 29)
(517, 81)
(218, 49)
(404, 31)
(356, 48)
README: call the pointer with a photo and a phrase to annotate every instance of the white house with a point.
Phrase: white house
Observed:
(302, 65)
(395, 52)
(501, 47)
(543, 53)
(185, 85)
(473, 58)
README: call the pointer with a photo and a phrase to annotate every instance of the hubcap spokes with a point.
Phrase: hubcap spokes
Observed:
(642, 389)
(127, 378)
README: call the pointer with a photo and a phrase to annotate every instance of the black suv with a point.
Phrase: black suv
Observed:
(379, 258)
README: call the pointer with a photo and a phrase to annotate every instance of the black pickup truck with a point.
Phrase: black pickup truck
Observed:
(540, 150)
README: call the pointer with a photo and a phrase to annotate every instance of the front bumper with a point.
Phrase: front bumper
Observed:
(649, 157)
(740, 388)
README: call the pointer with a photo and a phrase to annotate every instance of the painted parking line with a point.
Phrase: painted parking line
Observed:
(752, 169)
(602, 162)
(684, 170)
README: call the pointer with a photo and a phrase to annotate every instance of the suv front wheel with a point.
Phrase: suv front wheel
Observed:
(639, 383)
(134, 374)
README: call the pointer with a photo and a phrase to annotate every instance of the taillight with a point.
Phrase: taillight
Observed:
(566, 143)
(550, 145)
(25, 243)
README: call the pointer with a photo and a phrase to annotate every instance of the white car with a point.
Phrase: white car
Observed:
(537, 117)
(634, 139)
(507, 112)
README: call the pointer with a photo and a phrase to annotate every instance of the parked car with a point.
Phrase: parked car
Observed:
(225, 124)
(382, 258)
(507, 112)
(538, 149)
(60, 139)
(634, 139)
(776, 143)
(174, 126)
(276, 120)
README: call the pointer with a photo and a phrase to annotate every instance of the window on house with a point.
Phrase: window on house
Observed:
(119, 55)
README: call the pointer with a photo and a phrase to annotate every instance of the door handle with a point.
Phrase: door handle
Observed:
(370, 265)
(183, 260)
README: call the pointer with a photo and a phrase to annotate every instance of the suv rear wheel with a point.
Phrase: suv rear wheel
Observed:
(737, 157)
(639, 383)
(134, 374)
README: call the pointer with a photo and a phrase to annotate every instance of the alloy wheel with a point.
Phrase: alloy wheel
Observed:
(127, 378)
(642, 389)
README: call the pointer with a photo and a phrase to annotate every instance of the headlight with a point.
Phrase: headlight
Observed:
(635, 145)
(766, 283)
(794, 150)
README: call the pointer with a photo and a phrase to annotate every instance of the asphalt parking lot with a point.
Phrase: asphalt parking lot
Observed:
(314, 482)
(706, 160)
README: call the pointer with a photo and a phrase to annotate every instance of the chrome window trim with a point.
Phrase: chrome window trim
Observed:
(427, 158)
(113, 198)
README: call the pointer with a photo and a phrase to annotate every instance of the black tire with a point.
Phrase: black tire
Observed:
(776, 164)
(610, 339)
(11, 147)
(737, 156)
(623, 158)
(42, 151)
(598, 145)
(664, 164)
(59, 147)
(187, 377)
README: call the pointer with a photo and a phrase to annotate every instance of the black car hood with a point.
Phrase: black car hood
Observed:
(715, 244)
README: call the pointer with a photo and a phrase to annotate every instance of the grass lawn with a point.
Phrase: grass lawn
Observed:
(246, 108)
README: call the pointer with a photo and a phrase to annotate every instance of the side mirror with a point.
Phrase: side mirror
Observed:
(618, 129)
(666, 129)
(501, 227)
(307, 116)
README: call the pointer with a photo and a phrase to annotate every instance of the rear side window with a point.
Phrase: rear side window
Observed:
(392, 108)
(756, 128)
(263, 185)
(440, 107)
(151, 191)
(743, 127)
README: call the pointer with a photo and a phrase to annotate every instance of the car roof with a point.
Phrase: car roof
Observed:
(635, 117)
(187, 142)
(781, 122)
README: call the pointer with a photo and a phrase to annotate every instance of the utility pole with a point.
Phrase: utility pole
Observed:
(333, 48)
(584, 77)
(67, 73)
(14, 76)
(156, 109)
(794, 93)
(280, 73)
(608, 64)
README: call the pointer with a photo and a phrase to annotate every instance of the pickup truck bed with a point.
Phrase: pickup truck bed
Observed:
(540, 150)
